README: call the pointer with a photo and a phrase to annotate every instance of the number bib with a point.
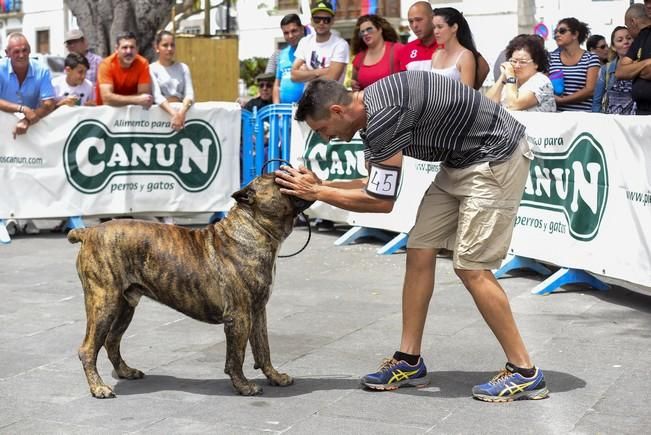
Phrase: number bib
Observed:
(383, 181)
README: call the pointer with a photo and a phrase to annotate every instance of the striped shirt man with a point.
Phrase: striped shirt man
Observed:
(574, 78)
(430, 117)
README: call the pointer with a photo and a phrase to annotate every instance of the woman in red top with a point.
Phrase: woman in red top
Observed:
(376, 49)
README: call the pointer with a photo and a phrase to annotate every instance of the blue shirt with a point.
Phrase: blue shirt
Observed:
(37, 85)
(290, 92)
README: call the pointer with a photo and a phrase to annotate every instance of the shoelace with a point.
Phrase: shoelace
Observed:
(501, 375)
(387, 363)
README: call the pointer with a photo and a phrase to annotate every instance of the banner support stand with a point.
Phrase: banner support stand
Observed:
(75, 222)
(518, 262)
(565, 276)
(397, 243)
(4, 235)
(358, 232)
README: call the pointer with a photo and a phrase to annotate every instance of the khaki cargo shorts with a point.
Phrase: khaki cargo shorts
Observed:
(471, 211)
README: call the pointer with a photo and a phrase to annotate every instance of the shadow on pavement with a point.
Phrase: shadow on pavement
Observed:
(450, 384)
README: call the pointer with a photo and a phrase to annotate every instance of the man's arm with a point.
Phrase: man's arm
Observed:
(112, 99)
(302, 74)
(9, 107)
(305, 184)
(334, 71)
(627, 69)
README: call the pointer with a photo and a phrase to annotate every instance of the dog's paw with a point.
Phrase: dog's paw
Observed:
(249, 389)
(129, 373)
(281, 380)
(102, 392)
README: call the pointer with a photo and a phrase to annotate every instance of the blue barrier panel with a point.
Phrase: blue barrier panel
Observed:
(278, 118)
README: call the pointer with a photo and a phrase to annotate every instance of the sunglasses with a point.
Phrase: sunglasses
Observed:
(265, 85)
(369, 30)
(561, 30)
(520, 61)
(601, 47)
(319, 19)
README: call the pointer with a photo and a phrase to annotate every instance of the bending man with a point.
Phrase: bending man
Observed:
(469, 208)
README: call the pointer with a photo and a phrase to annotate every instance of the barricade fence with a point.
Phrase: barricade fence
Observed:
(586, 205)
(90, 161)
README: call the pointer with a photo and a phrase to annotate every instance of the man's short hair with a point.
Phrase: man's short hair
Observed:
(289, 19)
(15, 35)
(73, 60)
(319, 96)
(125, 35)
(636, 10)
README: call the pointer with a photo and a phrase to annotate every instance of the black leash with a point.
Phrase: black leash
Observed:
(301, 214)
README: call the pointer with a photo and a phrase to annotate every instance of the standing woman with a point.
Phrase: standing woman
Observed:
(171, 80)
(376, 49)
(612, 95)
(456, 56)
(580, 67)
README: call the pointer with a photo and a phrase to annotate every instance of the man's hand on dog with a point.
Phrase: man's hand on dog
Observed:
(299, 182)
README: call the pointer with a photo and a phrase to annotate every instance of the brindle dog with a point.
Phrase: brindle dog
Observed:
(219, 274)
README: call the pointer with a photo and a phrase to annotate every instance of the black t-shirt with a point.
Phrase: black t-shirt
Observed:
(257, 102)
(640, 50)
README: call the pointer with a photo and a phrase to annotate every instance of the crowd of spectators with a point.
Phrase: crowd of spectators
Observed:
(28, 90)
(613, 79)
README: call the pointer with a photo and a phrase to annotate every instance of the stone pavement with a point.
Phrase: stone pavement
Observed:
(334, 314)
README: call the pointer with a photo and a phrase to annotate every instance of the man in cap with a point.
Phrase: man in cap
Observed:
(323, 53)
(265, 82)
(76, 43)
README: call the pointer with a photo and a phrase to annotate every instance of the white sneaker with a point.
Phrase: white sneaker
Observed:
(30, 228)
(12, 227)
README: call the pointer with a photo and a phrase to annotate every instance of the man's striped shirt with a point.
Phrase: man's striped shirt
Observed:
(430, 117)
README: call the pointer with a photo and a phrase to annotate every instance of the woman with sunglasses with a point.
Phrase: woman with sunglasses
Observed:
(376, 49)
(612, 95)
(580, 67)
(171, 80)
(522, 84)
(456, 56)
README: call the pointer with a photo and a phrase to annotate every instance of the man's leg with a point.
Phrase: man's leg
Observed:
(493, 304)
(416, 294)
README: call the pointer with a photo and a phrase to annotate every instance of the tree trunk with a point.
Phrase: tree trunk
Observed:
(102, 20)
(526, 16)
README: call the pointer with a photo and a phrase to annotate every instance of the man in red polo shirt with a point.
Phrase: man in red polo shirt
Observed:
(417, 54)
(123, 77)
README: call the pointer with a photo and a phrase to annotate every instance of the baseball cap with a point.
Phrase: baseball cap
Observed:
(265, 77)
(323, 6)
(73, 35)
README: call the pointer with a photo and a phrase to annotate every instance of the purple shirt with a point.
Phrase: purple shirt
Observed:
(94, 61)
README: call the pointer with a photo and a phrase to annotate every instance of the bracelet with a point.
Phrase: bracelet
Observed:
(20, 109)
(509, 80)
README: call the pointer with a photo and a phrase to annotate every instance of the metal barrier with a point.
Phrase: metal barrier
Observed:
(266, 135)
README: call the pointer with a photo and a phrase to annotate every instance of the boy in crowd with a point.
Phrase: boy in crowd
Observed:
(72, 88)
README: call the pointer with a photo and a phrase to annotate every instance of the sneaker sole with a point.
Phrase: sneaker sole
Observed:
(524, 395)
(417, 383)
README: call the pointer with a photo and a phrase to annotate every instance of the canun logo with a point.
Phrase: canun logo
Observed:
(335, 161)
(93, 155)
(573, 183)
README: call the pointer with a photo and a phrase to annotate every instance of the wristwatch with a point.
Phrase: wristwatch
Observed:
(509, 80)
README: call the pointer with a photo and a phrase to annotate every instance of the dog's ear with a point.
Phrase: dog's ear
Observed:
(243, 196)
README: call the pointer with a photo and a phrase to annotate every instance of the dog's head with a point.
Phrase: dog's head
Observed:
(262, 195)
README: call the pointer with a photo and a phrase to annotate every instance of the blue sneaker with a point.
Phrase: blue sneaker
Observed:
(509, 385)
(394, 374)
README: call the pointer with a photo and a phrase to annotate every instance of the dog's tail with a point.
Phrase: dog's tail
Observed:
(77, 235)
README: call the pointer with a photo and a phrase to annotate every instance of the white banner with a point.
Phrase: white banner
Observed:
(81, 161)
(587, 203)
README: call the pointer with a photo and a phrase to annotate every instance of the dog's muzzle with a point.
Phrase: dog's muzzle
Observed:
(301, 205)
